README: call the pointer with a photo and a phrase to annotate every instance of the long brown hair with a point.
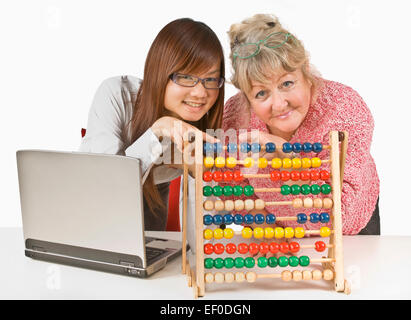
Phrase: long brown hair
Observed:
(183, 45)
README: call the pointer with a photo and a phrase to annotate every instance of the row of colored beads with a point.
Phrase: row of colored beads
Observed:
(263, 247)
(228, 191)
(262, 262)
(269, 147)
(259, 218)
(275, 175)
(305, 189)
(276, 163)
(260, 233)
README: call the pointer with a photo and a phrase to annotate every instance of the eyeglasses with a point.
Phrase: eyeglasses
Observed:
(186, 80)
(272, 41)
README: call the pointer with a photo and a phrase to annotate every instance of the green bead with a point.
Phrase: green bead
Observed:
(218, 191)
(262, 262)
(249, 262)
(238, 191)
(248, 190)
(207, 191)
(218, 263)
(305, 189)
(315, 189)
(228, 191)
(304, 261)
(229, 263)
(239, 262)
(325, 188)
(208, 263)
(295, 189)
(293, 261)
(283, 261)
(272, 262)
(285, 190)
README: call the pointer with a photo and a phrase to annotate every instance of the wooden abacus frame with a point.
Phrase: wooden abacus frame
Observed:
(333, 263)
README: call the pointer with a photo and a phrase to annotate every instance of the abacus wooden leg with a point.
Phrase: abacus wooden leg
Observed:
(347, 287)
(188, 273)
(194, 284)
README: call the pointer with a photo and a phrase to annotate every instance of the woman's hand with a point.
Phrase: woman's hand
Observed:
(263, 138)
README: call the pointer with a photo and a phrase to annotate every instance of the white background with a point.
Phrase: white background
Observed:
(54, 54)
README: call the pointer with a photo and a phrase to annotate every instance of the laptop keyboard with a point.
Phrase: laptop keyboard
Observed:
(152, 253)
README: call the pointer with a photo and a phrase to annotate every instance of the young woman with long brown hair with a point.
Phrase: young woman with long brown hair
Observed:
(182, 91)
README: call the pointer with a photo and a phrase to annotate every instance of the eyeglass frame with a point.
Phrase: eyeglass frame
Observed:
(258, 44)
(197, 80)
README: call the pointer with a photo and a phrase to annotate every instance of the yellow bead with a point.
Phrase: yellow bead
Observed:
(208, 234)
(262, 163)
(219, 162)
(248, 162)
(218, 233)
(268, 233)
(306, 163)
(276, 163)
(228, 233)
(258, 233)
(231, 162)
(208, 162)
(247, 233)
(316, 162)
(325, 232)
(288, 232)
(299, 232)
(296, 163)
(278, 233)
(287, 163)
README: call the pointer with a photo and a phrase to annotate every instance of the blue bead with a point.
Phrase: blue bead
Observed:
(255, 147)
(324, 217)
(245, 147)
(317, 147)
(314, 217)
(287, 147)
(248, 218)
(238, 219)
(208, 219)
(228, 219)
(232, 148)
(297, 147)
(208, 148)
(218, 219)
(259, 218)
(270, 218)
(301, 218)
(217, 147)
(307, 147)
(269, 147)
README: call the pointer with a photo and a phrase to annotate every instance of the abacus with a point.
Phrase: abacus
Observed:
(210, 224)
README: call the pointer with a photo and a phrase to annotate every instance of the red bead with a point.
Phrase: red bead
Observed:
(218, 248)
(264, 247)
(315, 174)
(253, 248)
(295, 175)
(275, 175)
(208, 248)
(284, 248)
(320, 246)
(230, 248)
(207, 176)
(238, 176)
(242, 248)
(294, 247)
(274, 247)
(305, 175)
(218, 176)
(285, 175)
(227, 176)
(324, 175)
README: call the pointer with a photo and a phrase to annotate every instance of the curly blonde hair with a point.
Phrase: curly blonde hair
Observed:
(289, 56)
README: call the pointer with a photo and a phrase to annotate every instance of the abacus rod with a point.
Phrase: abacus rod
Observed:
(241, 162)
(267, 176)
(263, 147)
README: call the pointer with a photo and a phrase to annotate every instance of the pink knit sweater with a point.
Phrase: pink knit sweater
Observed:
(336, 107)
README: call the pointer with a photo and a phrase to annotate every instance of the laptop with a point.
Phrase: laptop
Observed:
(86, 210)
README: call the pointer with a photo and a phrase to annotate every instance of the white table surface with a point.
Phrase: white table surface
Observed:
(378, 267)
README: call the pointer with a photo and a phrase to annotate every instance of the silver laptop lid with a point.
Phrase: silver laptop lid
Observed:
(81, 199)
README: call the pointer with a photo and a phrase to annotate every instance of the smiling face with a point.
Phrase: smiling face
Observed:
(191, 103)
(281, 103)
